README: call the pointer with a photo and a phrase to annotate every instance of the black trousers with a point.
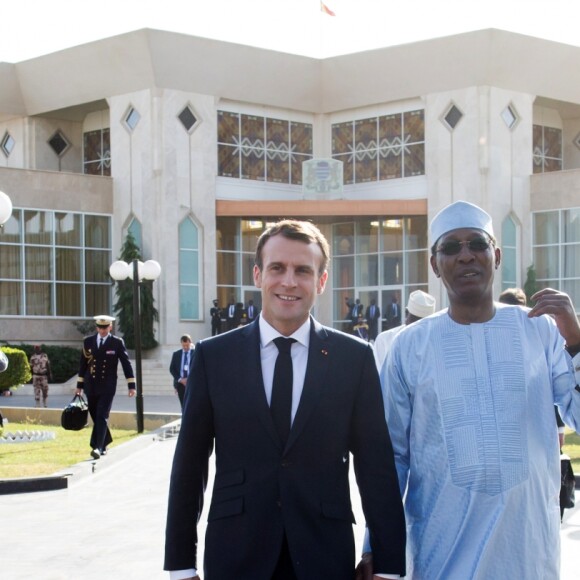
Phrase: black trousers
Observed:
(100, 400)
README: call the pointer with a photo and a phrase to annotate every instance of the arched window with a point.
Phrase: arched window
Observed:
(136, 230)
(509, 261)
(189, 278)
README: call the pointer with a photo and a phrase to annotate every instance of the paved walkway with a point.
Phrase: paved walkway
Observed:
(109, 524)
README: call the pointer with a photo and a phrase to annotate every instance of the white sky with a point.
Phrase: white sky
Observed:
(30, 28)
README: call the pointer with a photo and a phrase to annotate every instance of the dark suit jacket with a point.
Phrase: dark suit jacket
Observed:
(263, 490)
(175, 365)
(98, 367)
(373, 321)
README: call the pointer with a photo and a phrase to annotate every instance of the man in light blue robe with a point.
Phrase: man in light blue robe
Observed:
(469, 396)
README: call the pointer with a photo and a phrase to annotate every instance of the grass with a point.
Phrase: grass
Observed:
(48, 457)
(572, 449)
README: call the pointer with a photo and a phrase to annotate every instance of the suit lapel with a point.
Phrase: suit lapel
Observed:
(316, 376)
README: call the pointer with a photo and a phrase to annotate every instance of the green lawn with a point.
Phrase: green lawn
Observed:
(47, 457)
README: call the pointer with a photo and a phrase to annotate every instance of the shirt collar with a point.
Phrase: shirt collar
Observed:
(268, 333)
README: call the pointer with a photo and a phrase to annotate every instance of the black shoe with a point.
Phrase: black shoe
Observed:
(103, 452)
(95, 454)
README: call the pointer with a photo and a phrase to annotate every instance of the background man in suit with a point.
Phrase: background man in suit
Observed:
(393, 313)
(180, 366)
(293, 401)
(357, 310)
(373, 317)
(215, 315)
(232, 319)
(252, 311)
(98, 376)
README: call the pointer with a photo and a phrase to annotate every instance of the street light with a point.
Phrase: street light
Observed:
(5, 208)
(136, 271)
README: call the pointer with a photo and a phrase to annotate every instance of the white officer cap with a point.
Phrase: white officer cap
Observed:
(421, 304)
(104, 320)
(460, 214)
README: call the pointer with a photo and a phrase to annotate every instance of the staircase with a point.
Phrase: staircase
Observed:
(155, 376)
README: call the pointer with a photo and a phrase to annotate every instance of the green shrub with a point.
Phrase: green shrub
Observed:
(64, 360)
(18, 371)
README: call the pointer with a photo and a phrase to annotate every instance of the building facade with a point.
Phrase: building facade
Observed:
(195, 145)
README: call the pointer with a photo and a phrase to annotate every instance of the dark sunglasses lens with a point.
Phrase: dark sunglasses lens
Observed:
(478, 245)
(450, 248)
(453, 247)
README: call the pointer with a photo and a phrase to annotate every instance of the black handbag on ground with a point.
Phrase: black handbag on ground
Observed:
(75, 415)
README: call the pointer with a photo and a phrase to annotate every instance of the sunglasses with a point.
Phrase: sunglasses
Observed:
(453, 247)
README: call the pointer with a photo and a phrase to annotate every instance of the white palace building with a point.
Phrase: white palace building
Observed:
(194, 145)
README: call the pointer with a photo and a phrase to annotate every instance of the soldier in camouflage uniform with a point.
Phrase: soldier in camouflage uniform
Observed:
(41, 372)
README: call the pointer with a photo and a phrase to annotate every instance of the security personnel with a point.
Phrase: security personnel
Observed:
(98, 376)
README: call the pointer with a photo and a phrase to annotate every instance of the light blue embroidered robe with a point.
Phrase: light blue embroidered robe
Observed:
(470, 410)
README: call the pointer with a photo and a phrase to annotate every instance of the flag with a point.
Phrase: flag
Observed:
(324, 8)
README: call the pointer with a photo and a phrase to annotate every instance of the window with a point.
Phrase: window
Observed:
(55, 264)
(262, 149)
(7, 144)
(380, 148)
(97, 152)
(132, 119)
(136, 230)
(547, 149)
(452, 117)
(188, 119)
(556, 251)
(189, 276)
(372, 258)
(510, 117)
(509, 254)
(59, 144)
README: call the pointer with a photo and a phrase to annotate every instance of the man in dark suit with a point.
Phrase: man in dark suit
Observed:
(215, 315)
(98, 377)
(252, 311)
(393, 313)
(180, 366)
(357, 310)
(373, 316)
(232, 317)
(294, 400)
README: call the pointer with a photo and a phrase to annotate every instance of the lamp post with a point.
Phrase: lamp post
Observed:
(136, 271)
(5, 208)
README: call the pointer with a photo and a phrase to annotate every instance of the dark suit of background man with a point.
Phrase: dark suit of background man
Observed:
(98, 377)
(215, 315)
(252, 311)
(373, 316)
(357, 310)
(393, 313)
(180, 366)
(231, 315)
(280, 507)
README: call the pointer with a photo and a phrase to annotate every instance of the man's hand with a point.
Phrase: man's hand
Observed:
(79, 392)
(364, 569)
(132, 392)
(560, 307)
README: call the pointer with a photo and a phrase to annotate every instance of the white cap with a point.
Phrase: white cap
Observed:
(460, 214)
(421, 304)
(103, 320)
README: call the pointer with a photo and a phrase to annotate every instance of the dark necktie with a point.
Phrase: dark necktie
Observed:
(185, 362)
(101, 342)
(281, 405)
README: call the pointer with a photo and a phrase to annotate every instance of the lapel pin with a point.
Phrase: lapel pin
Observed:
(324, 352)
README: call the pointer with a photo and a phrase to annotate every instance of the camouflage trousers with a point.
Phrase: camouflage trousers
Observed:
(40, 384)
